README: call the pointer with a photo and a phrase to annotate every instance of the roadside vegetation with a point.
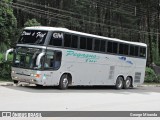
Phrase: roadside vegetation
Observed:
(151, 76)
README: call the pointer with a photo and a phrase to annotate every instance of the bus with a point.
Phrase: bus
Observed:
(53, 56)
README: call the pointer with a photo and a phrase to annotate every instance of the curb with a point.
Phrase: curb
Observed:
(12, 84)
(149, 86)
(6, 83)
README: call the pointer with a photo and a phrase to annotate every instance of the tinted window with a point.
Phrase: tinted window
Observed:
(126, 49)
(136, 50)
(142, 52)
(67, 40)
(123, 49)
(32, 37)
(96, 45)
(102, 45)
(131, 50)
(121, 46)
(56, 39)
(109, 47)
(52, 60)
(83, 43)
(115, 47)
(112, 47)
(89, 43)
(74, 43)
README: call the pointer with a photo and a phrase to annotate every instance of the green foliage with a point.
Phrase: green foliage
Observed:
(158, 78)
(1, 57)
(5, 70)
(10, 57)
(3, 47)
(32, 22)
(8, 24)
(150, 75)
(5, 67)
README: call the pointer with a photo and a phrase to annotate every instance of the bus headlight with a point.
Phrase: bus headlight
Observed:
(32, 74)
(13, 71)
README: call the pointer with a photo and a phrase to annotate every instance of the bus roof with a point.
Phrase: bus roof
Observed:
(81, 33)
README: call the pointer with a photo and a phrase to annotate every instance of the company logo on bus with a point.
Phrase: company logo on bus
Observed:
(57, 35)
(88, 57)
(122, 58)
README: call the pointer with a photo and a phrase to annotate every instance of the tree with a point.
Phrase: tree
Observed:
(130, 20)
(32, 22)
(8, 25)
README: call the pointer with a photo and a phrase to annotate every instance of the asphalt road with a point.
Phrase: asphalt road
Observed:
(31, 98)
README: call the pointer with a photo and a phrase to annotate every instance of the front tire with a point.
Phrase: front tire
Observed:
(15, 82)
(39, 86)
(119, 83)
(64, 81)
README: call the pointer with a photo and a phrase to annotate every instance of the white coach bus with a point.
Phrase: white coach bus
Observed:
(50, 56)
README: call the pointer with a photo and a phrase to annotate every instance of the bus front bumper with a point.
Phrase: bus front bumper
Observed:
(26, 80)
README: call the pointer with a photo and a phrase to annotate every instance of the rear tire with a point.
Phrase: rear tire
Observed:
(64, 81)
(127, 83)
(119, 83)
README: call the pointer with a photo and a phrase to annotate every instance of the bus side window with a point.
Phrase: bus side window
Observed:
(136, 51)
(74, 43)
(103, 46)
(131, 50)
(109, 47)
(142, 52)
(121, 47)
(115, 47)
(56, 39)
(67, 40)
(96, 45)
(89, 43)
(126, 49)
(83, 43)
(57, 60)
(48, 59)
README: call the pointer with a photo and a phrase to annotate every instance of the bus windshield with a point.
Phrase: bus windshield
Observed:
(26, 57)
(32, 37)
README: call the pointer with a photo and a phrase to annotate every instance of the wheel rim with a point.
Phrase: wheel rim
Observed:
(65, 82)
(128, 83)
(119, 83)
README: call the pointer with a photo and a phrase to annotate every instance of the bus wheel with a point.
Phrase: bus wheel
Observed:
(119, 83)
(15, 82)
(39, 86)
(63, 84)
(127, 83)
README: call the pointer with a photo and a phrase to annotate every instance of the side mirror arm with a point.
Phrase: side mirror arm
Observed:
(7, 52)
(39, 58)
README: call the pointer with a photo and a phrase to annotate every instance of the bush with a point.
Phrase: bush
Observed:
(1, 57)
(5, 66)
(158, 79)
(5, 70)
(150, 75)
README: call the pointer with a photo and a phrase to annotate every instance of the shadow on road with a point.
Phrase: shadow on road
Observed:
(86, 89)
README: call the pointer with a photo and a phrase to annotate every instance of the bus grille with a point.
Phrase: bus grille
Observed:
(137, 77)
